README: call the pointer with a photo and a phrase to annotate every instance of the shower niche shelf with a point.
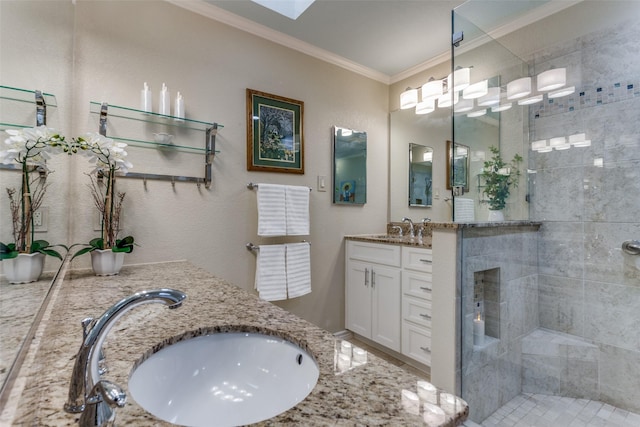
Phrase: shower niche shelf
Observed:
(210, 130)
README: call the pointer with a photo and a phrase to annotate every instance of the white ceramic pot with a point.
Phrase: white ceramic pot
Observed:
(496, 216)
(25, 268)
(105, 262)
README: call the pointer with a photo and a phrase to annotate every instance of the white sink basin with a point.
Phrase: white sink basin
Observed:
(224, 379)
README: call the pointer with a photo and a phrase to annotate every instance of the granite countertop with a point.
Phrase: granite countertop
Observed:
(375, 393)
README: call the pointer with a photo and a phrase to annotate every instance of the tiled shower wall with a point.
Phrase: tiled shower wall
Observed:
(506, 257)
(589, 201)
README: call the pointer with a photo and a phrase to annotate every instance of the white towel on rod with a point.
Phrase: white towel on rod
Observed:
(298, 269)
(463, 209)
(271, 210)
(297, 210)
(271, 273)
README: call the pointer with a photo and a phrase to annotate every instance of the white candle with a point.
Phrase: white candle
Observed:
(427, 392)
(345, 347)
(344, 362)
(164, 106)
(410, 402)
(478, 330)
(433, 415)
(359, 356)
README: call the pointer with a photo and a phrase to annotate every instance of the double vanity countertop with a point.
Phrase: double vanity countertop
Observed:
(369, 394)
(404, 239)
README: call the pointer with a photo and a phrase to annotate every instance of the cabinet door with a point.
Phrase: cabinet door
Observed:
(358, 298)
(386, 311)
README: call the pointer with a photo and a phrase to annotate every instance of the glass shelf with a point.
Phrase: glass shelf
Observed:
(25, 95)
(160, 145)
(149, 117)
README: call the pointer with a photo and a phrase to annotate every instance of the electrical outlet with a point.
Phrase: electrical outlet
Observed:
(40, 219)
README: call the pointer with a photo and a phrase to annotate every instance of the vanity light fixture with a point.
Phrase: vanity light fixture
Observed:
(491, 98)
(579, 140)
(408, 98)
(477, 113)
(425, 107)
(519, 88)
(463, 106)
(448, 99)
(559, 143)
(552, 79)
(502, 107)
(476, 90)
(561, 92)
(461, 79)
(539, 145)
(432, 89)
(531, 100)
(427, 156)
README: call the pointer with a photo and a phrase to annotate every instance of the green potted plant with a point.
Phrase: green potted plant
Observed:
(23, 259)
(499, 176)
(107, 251)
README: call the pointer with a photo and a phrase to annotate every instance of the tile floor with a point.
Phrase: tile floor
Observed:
(539, 410)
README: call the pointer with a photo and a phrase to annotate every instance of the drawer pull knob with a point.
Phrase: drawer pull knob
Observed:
(427, 261)
(426, 316)
(426, 349)
(424, 288)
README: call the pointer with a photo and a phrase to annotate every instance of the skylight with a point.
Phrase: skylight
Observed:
(289, 8)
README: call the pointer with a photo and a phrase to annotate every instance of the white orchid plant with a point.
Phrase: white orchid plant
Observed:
(30, 148)
(109, 157)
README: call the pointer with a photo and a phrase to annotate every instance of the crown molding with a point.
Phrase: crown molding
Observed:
(218, 14)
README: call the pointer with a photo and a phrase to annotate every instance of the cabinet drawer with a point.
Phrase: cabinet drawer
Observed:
(417, 311)
(416, 343)
(417, 284)
(374, 252)
(417, 259)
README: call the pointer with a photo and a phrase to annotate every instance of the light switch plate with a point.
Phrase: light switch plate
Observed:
(322, 183)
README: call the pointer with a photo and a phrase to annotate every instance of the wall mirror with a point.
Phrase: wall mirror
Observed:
(420, 175)
(349, 166)
(50, 70)
(458, 157)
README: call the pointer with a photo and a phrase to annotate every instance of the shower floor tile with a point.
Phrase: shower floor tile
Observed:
(540, 410)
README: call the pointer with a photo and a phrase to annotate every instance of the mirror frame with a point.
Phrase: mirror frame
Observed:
(410, 186)
(453, 178)
(359, 182)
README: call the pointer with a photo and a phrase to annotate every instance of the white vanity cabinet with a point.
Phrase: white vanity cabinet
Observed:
(416, 303)
(373, 292)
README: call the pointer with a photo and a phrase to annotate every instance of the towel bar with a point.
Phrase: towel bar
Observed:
(252, 186)
(251, 247)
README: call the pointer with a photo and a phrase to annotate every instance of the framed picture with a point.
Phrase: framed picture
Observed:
(275, 140)
(457, 166)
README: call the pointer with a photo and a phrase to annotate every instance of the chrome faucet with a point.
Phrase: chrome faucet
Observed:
(88, 394)
(411, 231)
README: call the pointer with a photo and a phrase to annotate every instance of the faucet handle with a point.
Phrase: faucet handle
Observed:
(101, 403)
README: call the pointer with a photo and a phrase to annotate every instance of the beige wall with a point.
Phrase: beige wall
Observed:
(120, 45)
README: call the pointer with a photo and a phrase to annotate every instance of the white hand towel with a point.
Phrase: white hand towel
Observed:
(463, 209)
(298, 269)
(297, 208)
(271, 274)
(271, 210)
